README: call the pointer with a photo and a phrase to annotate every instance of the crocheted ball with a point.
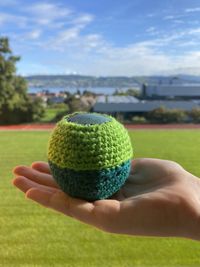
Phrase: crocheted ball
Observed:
(90, 155)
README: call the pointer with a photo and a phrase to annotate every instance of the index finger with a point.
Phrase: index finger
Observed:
(41, 166)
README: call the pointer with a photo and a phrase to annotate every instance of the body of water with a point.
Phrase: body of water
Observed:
(97, 90)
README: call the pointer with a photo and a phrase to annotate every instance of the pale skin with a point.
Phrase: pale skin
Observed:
(160, 199)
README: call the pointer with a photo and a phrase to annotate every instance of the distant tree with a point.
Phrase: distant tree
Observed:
(15, 104)
(116, 92)
(128, 92)
(78, 92)
(194, 114)
(77, 105)
(163, 115)
(88, 93)
(138, 119)
(157, 115)
(133, 92)
(175, 116)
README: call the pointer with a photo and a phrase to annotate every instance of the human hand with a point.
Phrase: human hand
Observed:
(159, 198)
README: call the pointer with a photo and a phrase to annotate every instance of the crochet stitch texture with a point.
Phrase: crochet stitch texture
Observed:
(89, 147)
(91, 185)
(89, 155)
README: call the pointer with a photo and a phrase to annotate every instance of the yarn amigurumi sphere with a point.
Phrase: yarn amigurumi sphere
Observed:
(90, 155)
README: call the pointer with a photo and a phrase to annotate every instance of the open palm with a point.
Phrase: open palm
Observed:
(159, 198)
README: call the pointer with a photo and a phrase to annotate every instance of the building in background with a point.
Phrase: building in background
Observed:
(183, 97)
(130, 106)
(171, 91)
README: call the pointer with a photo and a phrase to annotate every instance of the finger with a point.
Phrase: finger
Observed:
(59, 201)
(25, 184)
(101, 214)
(41, 166)
(36, 176)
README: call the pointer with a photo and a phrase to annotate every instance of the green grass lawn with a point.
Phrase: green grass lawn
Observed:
(50, 114)
(33, 236)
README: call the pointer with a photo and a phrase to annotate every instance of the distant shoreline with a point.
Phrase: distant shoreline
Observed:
(97, 90)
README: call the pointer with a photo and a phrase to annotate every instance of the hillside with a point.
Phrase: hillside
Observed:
(47, 81)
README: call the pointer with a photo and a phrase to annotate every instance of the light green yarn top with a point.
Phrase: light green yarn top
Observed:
(89, 147)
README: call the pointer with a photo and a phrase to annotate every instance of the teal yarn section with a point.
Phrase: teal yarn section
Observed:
(91, 184)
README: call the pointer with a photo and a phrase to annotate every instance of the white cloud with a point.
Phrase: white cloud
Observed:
(33, 35)
(83, 20)
(194, 31)
(133, 60)
(188, 43)
(177, 18)
(72, 40)
(140, 60)
(191, 59)
(169, 17)
(45, 13)
(175, 38)
(151, 29)
(194, 22)
(195, 9)
(94, 40)
(65, 24)
(67, 35)
(151, 15)
(92, 53)
(178, 21)
(6, 18)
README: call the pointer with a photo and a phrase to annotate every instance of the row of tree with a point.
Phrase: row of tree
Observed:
(17, 107)
(15, 104)
(164, 115)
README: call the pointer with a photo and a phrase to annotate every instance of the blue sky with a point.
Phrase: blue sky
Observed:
(129, 37)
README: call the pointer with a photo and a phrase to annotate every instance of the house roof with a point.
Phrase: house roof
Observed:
(173, 90)
(143, 106)
(117, 99)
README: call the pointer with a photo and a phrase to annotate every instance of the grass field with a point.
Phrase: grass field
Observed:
(33, 236)
(50, 114)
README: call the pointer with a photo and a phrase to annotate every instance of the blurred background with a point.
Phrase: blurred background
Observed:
(138, 60)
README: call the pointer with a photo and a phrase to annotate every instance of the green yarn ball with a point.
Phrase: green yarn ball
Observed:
(90, 155)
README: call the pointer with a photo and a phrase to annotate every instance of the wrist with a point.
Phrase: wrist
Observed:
(191, 213)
